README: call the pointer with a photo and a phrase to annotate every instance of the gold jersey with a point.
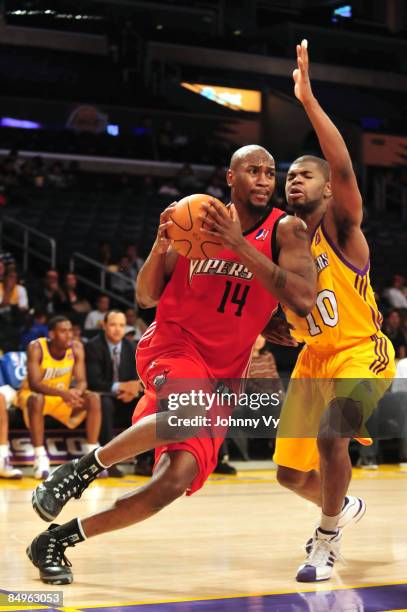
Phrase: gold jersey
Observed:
(345, 312)
(56, 373)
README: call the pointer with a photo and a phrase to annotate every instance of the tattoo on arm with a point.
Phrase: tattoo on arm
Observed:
(279, 277)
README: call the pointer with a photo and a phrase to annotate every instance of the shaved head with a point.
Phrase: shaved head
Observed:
(254, 154)
(318, 161)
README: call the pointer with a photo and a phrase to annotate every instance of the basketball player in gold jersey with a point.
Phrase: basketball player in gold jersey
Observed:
(52, 365)
(342, 336)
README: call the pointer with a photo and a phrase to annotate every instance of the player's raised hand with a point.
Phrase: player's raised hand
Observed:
(222, 222)
(162, 242)
(302, 87)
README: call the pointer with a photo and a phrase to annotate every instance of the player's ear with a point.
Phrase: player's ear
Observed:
(229, 177)
(328, 190)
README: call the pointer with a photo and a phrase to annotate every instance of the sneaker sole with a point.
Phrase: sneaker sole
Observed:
(47, 579)
(312, 581)
(40, 510)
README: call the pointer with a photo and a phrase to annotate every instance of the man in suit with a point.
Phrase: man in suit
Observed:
(111, 371)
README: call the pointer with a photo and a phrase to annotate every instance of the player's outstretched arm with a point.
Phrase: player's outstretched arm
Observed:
(158, 266)
(345, 190)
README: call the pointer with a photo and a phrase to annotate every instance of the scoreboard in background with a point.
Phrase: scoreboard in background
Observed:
(248, 100)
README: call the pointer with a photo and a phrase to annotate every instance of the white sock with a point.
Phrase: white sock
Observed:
(39, 451)
(329, 523)
(4, 451)
(83, 534)
(90, 447)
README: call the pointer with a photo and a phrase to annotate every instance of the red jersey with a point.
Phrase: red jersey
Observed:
(212, 310)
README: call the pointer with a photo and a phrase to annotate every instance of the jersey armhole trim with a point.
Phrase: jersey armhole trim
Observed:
(275, 251)
(340, 255)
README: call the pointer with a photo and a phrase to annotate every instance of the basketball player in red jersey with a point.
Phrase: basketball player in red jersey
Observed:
(209, 314)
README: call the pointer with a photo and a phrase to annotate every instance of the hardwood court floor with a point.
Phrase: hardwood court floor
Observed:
(240, 536)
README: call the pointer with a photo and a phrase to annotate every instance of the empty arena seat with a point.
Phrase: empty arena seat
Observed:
(14, 368)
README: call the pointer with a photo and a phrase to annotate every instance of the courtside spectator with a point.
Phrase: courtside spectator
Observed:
(56, 386)
(169, 188)
(395, 294)
(95, 318)
(56, 176)
(11, 292)
(392, 329)
(123, 283)
(136, 322)
(37, 328)
(7, 395)
(51, 296)
(75, 302)
(136, 262)
(111, 372)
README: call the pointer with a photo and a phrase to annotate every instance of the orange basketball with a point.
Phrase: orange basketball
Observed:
(185, 231)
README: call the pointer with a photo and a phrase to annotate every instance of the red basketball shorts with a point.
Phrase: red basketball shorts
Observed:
(167, 370)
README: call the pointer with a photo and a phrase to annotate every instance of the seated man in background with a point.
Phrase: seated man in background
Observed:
(111, 372)
(7, 396)
(94, 319)
(52, 364)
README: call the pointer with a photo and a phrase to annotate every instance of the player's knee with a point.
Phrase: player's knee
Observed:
(35, 403)
(331, 449)
(342, 419)
(290, 478)
(93, 402)
(168, 490)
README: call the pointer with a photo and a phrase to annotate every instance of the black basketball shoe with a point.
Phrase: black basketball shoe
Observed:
(47, 552)
(67, 481)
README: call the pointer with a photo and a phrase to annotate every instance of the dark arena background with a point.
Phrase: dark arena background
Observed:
(110, 110)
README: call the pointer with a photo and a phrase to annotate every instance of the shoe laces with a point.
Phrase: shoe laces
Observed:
(322, 551)
(55, 553)
(68, 487)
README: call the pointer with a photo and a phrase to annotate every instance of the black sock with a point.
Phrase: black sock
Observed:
(69, 534)
(89, 467)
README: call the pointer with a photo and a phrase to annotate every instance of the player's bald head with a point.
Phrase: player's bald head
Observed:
(253, 155)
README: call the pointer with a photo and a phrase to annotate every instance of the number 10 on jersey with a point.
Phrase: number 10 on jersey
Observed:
(327, 307)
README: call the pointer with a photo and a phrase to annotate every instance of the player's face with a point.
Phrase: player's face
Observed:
(253, 180)
(305, 187)
(114, 327)
(62, 335)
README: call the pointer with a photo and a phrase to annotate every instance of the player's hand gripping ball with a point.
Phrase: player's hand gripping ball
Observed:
(185, 232)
